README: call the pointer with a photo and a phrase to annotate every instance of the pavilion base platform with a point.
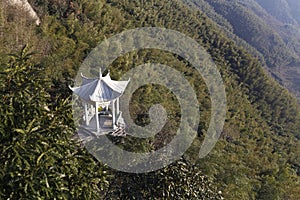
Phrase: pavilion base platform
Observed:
(106, 128)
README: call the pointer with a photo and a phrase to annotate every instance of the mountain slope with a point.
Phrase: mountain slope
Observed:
(257, 156)
(268, 26)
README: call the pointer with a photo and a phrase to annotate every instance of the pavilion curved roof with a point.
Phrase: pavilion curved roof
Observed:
(102, 89)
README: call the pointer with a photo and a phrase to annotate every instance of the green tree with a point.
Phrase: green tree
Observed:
(181, 180)
(39, 158)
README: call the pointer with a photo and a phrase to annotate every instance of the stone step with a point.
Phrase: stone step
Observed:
(119, 132)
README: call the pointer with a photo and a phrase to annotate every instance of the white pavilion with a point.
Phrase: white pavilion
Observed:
(100, 97)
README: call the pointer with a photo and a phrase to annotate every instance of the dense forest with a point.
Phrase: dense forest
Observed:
(257, 156)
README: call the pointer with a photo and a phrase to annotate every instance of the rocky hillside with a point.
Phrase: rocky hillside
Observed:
(24, 5)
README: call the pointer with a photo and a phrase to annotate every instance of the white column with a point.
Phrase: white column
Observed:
(97, 118)
(113, 114)
(86, 114)
(118, 107)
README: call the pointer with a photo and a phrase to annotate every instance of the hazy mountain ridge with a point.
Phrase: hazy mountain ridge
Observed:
(280, 9)
(294, 7)
(271, 27)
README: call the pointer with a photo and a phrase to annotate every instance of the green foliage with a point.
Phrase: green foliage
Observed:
(39, 158)
(16, 30)
(180, 180)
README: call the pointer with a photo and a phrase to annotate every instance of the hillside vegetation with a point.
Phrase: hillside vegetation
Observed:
(257, 156)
